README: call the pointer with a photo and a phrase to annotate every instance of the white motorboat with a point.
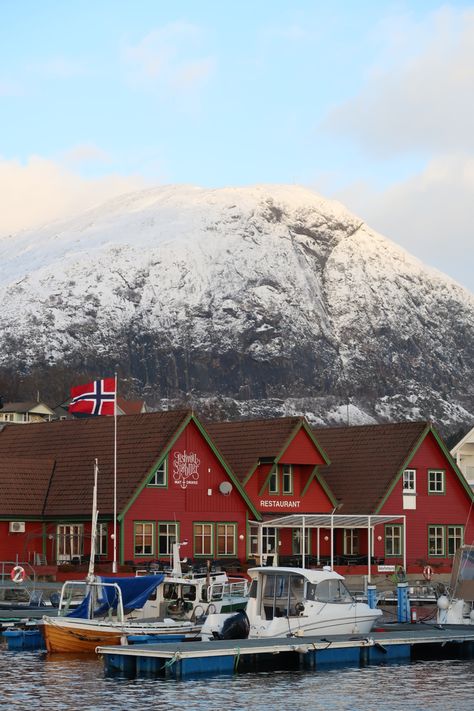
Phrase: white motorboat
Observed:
(456, 605)
(297, 601)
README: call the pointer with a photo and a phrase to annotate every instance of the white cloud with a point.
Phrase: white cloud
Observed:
(169, 56)
(423, 102)
(430, 214)
(86, 153)
(42, 190)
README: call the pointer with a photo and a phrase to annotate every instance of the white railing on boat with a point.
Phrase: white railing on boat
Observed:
(235, 588)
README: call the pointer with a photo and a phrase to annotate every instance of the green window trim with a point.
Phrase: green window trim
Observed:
(287, 475)
(232, 524)
(436, 534)
(392, 529)
(203, 523)
(162, 467)
(273, 477)
(176, 524)
(431, 481)
(453, 536)
(153, 538)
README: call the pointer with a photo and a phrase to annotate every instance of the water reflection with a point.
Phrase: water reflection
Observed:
(57, 683)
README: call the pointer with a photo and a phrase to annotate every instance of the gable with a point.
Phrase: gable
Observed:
(429, 453)
(302, 450)
(197, 481)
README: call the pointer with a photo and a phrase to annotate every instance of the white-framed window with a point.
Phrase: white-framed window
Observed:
(393, 541)
(287, 478)
(436, 541)
(351, 541)
(409, 481)
(436, 481)
(203, 534)
(455, 538)
(167, 535)
(269, 540)
(101, 539)
(297, 540)
(144, 538)
(160, 476)
(69, 541)
(226, 539)
(273, 481)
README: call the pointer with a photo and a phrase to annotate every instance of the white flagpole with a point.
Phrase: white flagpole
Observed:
(114, 564)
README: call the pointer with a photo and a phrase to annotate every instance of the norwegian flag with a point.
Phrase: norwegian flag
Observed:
(97, 398)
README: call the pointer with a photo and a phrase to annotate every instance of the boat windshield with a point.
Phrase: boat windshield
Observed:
(328, 591)
(281, 594)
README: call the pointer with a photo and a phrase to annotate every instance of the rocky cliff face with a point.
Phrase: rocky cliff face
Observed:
(242, 302)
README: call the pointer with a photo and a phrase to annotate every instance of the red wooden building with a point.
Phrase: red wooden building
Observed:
(279, 463)
(171, 483)
(177, 479)
(393, 469)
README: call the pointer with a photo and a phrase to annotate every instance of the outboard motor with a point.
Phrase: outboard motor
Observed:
(236, 627)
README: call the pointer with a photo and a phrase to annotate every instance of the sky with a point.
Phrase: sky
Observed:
(367, 102)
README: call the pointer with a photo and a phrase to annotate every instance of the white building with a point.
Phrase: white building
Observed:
(463, 453)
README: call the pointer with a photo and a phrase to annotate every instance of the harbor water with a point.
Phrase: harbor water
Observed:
(35, 680)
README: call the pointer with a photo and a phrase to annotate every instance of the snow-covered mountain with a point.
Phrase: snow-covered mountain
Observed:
(244, 301)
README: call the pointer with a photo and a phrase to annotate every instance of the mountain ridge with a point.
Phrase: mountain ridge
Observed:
(235, 298)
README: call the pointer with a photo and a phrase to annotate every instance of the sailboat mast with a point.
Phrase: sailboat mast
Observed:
(95, 513)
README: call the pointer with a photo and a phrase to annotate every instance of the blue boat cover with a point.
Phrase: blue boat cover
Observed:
(135, 593)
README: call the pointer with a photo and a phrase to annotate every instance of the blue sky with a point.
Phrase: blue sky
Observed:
(371, 103)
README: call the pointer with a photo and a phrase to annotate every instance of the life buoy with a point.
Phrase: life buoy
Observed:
(427, 572)
(17, 574)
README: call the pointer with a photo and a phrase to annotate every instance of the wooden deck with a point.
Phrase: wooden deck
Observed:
(390, 643)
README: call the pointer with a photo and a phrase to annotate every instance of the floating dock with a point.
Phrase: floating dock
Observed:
(393, 643)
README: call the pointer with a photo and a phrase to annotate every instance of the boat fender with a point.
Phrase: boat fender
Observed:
(17, 574)
(427, 572)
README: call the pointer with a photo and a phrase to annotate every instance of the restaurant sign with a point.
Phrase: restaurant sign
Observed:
(186, 469)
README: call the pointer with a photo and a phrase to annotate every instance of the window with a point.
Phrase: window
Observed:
(455, 538)
(167, 535)
(273, 481)
(101, 539)
(409, 481)
(226, 538)
(203, 533)
(435, 482)
(160, 476)
(287, 478)
(297, 538)
(70, 541)
(351, 541)
(393, 541)
(144, 538)
(268, 540)
(436, 540)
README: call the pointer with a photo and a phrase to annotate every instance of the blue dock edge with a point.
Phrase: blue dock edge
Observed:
(20, 640)
(191, 659)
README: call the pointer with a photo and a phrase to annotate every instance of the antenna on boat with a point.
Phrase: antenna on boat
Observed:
(177, 571)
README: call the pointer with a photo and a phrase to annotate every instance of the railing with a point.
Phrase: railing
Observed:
(234, 588)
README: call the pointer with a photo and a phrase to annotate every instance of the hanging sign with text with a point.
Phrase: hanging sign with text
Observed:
(186, 469)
